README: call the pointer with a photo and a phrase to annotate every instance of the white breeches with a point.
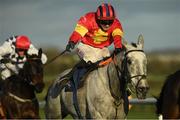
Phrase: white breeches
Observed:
(89, 53)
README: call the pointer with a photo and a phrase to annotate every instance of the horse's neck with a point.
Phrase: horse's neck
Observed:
(106, 79)
(114, 79)
(22, 73)
(17, 86)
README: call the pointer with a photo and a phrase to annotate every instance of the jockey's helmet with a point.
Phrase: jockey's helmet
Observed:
(105, 12)
(22, 42)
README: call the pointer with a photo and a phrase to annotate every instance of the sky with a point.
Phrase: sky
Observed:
(49, 23)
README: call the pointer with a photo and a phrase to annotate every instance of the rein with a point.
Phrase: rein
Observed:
(54, 58)
(117, 100)
(124, 73)
(27, 76)
(21, 99)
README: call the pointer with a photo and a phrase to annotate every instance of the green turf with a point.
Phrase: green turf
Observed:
(136, 112)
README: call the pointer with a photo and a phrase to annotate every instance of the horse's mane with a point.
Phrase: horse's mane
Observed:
(171, 78)
(134, 44)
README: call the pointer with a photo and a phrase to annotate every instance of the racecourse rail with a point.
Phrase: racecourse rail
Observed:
(131, 101)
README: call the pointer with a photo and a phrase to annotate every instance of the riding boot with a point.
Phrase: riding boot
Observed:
(81, 64)
(69, 77)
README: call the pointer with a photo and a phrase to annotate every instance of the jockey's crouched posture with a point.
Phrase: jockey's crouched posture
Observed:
(12, 57)
(15, 49)
(94, 32)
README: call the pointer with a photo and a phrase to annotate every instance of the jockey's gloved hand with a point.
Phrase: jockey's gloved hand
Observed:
(70, 46)
(117, 50)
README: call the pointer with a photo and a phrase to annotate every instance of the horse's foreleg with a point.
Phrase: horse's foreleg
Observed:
(2, 114)
(52, 107)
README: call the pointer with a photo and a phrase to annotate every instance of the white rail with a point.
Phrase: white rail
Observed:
(143, 101)
(131, 101)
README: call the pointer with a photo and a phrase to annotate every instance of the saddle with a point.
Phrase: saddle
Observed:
(76, 77)
(72, 81)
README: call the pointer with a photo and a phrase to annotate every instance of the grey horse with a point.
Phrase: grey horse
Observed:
(103, 95)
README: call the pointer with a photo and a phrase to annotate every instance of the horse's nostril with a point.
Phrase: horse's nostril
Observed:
(143, 89)
(39, 87)
(140, 89)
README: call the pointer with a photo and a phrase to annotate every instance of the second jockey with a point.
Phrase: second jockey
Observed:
(15, 49)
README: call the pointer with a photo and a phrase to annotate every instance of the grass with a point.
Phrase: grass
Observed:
(136, 112)
(142, 112)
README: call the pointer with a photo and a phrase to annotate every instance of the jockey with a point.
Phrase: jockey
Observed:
(15, 49)
(94, 32)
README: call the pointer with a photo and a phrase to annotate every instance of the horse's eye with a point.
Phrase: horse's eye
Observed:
(129, 61)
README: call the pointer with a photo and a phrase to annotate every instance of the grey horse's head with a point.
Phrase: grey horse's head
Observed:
(136, 67)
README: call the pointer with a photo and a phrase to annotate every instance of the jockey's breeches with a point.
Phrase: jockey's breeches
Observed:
(89, 53)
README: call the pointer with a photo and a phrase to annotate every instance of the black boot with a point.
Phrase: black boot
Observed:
(81, 64)
(63, 81)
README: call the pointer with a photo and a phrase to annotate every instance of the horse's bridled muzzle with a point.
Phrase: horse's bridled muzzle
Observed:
(39, 87)
(142, 89)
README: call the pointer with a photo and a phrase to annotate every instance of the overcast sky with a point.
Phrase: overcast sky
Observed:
(50, 22)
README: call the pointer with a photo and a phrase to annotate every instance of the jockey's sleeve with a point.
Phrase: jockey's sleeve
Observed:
(117, 41)
(80, 30)
(117, 34)
(33, 50)
(75, 37)
(5, 48)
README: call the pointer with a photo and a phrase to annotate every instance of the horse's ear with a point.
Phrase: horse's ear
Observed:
(141, 41)
(40, 53)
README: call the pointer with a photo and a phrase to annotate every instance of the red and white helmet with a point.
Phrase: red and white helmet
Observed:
(105, 12)
(22, 42)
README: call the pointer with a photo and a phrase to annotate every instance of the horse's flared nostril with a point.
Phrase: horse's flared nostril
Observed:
(140, 89)
(143, 90)
(39, 88)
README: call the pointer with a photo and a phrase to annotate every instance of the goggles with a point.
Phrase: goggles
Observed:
(21, 50)
(106, 22)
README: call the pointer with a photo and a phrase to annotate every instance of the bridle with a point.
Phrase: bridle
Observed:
(126, 74)
(28, 75)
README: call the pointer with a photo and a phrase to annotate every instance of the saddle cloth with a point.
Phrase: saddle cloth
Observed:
(79, 75)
